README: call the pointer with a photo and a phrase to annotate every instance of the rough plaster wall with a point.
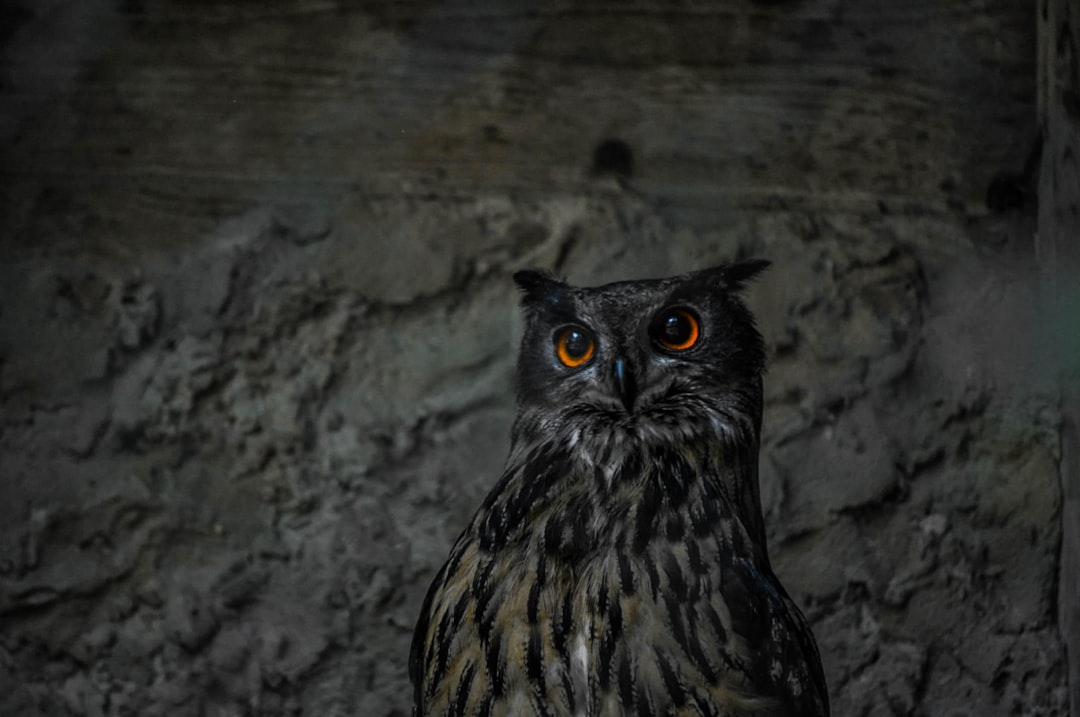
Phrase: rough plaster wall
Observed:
(257, 327)
(1058, 248)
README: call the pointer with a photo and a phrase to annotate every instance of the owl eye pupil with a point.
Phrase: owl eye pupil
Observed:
(677, 330)
(574, 346)
(577, 344)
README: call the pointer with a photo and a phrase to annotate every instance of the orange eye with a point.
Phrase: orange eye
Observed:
(574, 346)
(676, 329)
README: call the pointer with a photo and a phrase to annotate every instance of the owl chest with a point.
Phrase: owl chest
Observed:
(590, 597)
(589, 533)
(590, 613)
(596, 636)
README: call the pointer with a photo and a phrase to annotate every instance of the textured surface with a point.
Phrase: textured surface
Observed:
(1058, 247)
(257, 326)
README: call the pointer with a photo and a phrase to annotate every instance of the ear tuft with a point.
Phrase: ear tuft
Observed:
(737, 275)
(529, 280)
(539, 285)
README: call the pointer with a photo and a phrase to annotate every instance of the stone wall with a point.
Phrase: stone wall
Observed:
(257, 329)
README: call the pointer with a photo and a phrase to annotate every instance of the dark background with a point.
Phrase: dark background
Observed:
(257, 328)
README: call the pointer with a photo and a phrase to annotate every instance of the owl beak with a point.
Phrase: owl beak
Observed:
(625, 383)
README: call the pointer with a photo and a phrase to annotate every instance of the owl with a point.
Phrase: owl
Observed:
(619, 565)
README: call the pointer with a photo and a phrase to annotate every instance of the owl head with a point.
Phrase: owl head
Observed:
(640, 362)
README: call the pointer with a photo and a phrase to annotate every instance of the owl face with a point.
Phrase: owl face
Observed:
(640, 359)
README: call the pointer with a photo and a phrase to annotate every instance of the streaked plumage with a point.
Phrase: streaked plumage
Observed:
(619, 565)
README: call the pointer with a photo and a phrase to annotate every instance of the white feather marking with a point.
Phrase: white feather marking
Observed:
(722, 429)
(579, 673)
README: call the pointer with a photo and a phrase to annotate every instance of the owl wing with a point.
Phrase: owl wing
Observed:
(493, 637)
(784, 662)
(681, 632)
(494, 633)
